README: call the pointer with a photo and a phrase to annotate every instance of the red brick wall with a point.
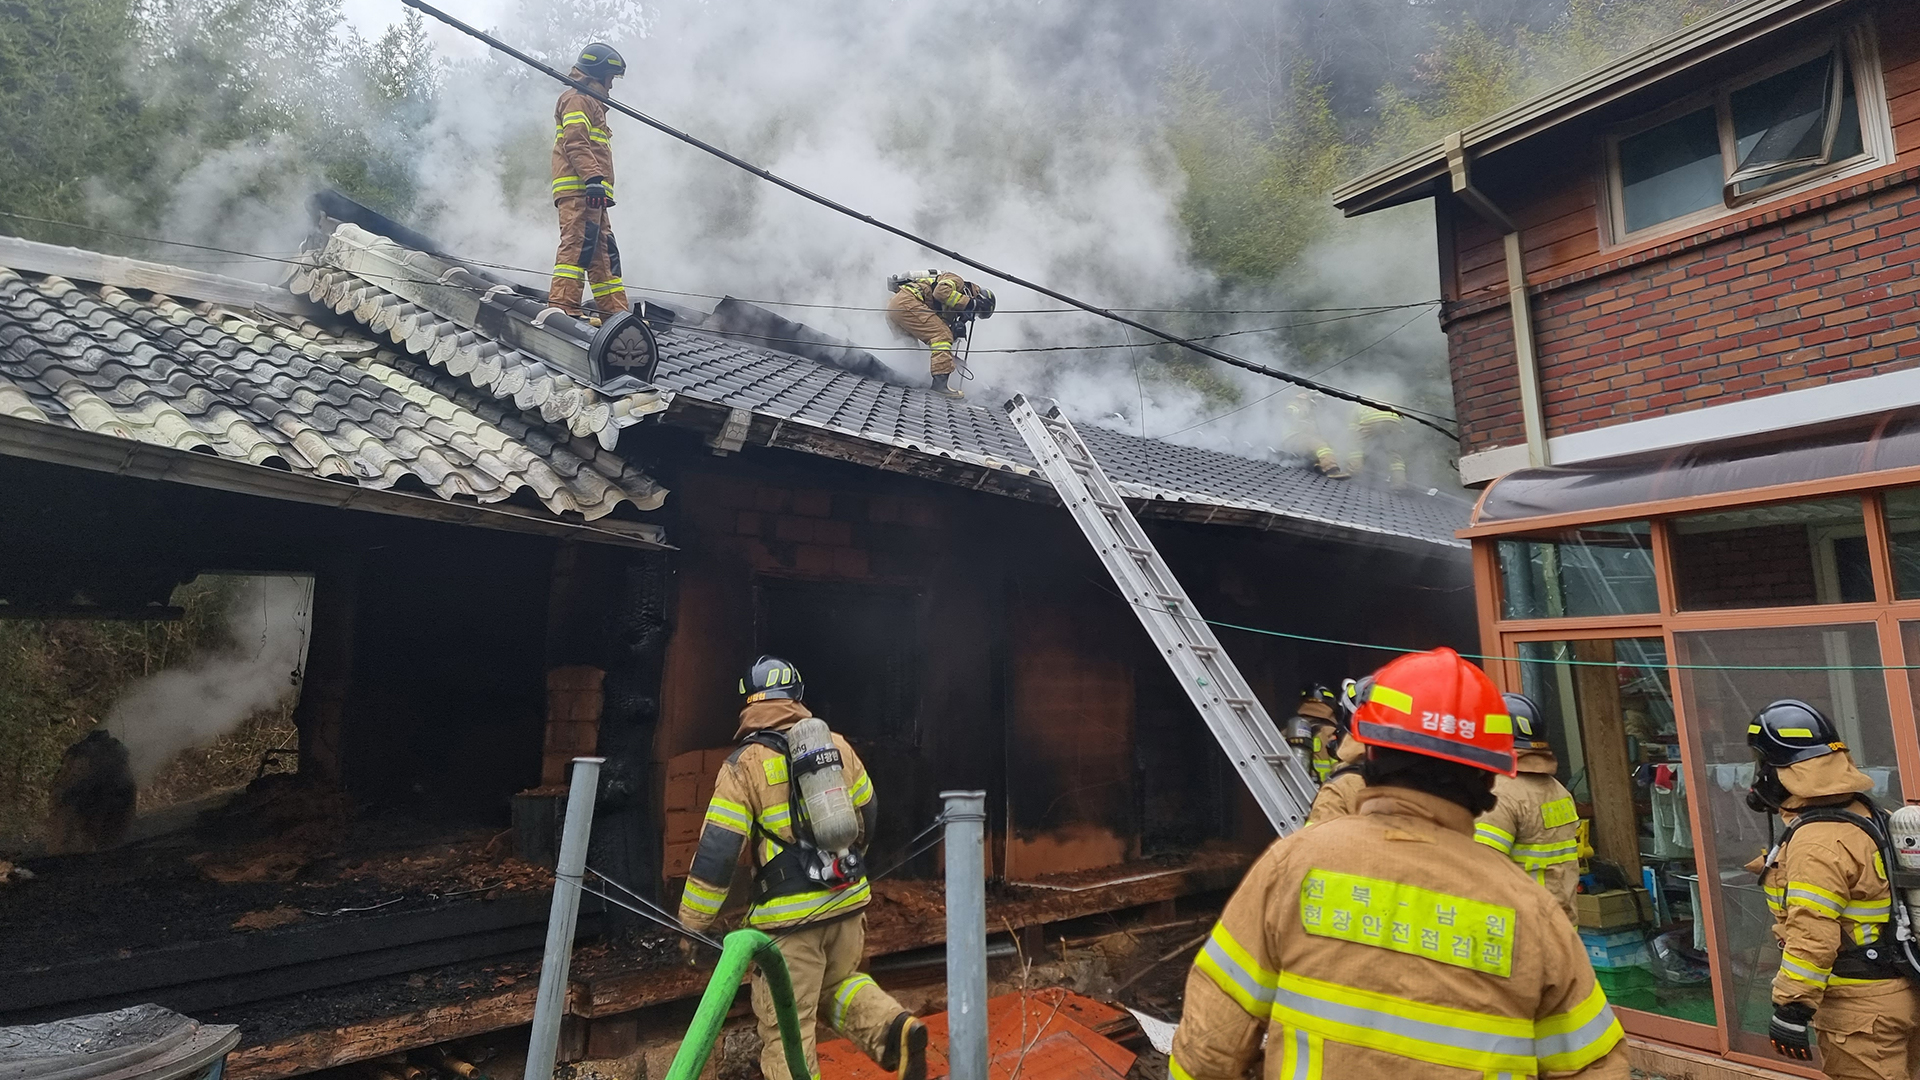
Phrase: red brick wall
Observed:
(1823, 292)
(1756, 567)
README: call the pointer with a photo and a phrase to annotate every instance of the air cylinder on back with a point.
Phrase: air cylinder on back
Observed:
(1904, 825)
(822, 783)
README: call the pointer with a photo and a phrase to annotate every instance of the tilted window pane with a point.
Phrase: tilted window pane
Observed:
(1773, 556)
(1726, 677)
(1782, 124)
(1598, 570)
(1671, 170)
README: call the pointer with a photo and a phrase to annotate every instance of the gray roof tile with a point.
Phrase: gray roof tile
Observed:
(284, 393)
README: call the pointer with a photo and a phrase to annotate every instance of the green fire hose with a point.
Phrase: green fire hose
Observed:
(741, 949)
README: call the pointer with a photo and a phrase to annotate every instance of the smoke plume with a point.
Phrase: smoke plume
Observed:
(183, 708)
(1028, 135)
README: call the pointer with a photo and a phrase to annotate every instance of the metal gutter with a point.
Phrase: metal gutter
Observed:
(37, 441)
(1715, 35)
(1526, 360)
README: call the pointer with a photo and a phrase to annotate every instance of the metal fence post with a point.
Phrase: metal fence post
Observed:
(551, 1004)
(966, 818)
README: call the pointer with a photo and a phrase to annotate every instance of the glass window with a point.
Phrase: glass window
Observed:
(1726, 676)
(1793, 123)
(1671, 170)
(1609, 716)
(1597, 570)
(1773, 556)
(1903, 540)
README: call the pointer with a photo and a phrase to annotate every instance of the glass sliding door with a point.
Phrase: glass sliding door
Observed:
(1609, 714)
(1726, 676)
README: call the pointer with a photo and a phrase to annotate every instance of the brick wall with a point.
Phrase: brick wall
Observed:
(1804, 295)
(1762, 566)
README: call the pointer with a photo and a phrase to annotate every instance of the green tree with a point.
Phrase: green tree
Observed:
(68, 122)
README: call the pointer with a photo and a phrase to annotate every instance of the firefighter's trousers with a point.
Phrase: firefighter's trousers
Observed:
(823, 961)
(916, 320)
(1870, 1032)
(587, 253)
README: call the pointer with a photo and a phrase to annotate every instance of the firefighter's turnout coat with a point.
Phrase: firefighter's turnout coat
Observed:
(1829, 894)
(1336, 797)
(582, 145)
(749, 808)
(1388, 943)
(1536, 826)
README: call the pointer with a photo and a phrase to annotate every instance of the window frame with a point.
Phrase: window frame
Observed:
(1860, 47)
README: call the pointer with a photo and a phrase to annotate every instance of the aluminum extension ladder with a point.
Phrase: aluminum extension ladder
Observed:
(1237, 719)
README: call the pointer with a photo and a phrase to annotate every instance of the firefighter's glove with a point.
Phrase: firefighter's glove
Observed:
(597, 198)
(1788, 1030)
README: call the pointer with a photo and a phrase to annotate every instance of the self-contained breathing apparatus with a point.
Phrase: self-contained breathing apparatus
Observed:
(825, 824)
(981, 302)
(1788, 732)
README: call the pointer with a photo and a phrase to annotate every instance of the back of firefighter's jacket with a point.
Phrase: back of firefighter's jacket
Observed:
(1388, 943)
(1534, 823)
(1828, 892)
(944, 294)
(582, 145)
(750, 805)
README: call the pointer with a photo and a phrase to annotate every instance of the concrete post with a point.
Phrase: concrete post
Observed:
(966, 818)
(550, 1006)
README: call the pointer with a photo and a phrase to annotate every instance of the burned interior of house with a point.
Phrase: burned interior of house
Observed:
(490, 543)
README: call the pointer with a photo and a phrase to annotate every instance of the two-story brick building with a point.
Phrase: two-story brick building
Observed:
(1683, 312)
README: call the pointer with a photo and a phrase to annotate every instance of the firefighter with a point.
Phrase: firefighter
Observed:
(1534, 822)
(1304, 436)
(1336, 795)
(1379, 446)
(1387, 942)
(583, 189)
(1314, 730)
(934, 308)
(1826, 883)
(817, 916)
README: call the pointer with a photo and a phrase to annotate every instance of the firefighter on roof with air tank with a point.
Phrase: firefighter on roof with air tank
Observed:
(1387, 943)
(935, 309)
(583, 189)
(796, 795)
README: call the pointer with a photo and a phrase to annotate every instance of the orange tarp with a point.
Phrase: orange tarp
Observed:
(1043, 1035)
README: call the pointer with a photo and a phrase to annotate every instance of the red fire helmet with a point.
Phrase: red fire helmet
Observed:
(1437, 704)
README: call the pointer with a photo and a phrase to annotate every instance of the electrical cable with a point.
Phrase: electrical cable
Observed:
(841, 208)
(1269, 397)
(660, 912)
(1402, 650)
(292, 258)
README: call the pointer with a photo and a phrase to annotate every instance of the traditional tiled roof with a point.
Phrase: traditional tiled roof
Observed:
(825, 409)
(277, 390)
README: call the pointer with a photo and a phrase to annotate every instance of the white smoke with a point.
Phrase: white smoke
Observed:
(184, 708)
(1025, 134)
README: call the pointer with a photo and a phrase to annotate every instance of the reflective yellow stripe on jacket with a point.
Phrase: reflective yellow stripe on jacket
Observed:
(809, 907)
(1447, 1036)
(1540, 856)
(1494, 837)
(1237, 973)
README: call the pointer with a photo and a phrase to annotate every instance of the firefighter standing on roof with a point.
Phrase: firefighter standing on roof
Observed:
(1387, 943)
(1534, 822)
(815, 907)
(934, 308)
(583, 189)
(1826, 883)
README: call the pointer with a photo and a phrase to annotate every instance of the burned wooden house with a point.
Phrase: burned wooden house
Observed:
(531, 539)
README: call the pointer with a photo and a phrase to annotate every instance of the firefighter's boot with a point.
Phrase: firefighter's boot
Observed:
(940, 387)
(1329, 466)
(906, 1052)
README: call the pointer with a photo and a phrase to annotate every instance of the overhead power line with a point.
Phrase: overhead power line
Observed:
(841, 208)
